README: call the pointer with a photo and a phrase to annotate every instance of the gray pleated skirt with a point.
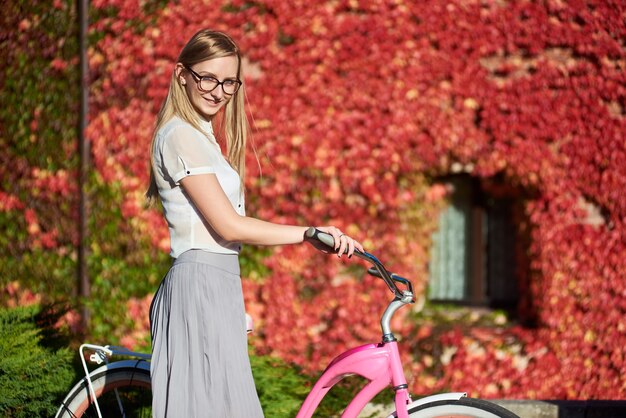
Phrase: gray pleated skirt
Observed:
(200, 365)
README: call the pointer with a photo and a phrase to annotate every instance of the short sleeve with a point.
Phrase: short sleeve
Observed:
(187, 152)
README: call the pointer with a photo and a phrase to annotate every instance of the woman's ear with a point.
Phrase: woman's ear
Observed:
(179, 74)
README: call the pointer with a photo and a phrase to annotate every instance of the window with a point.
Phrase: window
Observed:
(473, 252)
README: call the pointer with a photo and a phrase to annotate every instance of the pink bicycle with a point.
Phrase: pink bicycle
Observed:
(122, 388)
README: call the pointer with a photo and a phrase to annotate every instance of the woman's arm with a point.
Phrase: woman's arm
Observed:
(209, 198)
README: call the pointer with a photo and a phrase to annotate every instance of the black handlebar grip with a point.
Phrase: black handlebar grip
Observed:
(323, 237)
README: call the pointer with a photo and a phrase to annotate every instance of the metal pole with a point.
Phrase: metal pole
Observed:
(84, 151)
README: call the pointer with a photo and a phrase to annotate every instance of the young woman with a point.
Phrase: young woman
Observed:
(200, 365)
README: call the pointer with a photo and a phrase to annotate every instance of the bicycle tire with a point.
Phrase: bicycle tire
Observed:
(133, 386)
(462, 408)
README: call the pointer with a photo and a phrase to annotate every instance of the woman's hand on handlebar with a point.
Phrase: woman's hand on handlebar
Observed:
(343, 243)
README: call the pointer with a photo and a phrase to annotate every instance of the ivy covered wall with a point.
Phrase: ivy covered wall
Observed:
(357, 107)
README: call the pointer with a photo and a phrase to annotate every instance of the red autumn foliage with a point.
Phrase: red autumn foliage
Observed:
(353, 102)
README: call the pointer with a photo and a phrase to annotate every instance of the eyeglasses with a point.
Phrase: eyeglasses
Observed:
(207, 84)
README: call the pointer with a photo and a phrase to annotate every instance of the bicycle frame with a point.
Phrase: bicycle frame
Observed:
(378, 363)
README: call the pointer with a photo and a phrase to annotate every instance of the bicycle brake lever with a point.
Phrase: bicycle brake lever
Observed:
(374, 272)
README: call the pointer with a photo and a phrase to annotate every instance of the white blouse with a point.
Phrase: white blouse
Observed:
(180, 150)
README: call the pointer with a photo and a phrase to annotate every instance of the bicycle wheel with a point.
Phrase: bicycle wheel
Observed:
(122, 390)
(462, 408)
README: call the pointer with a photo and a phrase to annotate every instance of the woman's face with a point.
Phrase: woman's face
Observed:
(208, 103)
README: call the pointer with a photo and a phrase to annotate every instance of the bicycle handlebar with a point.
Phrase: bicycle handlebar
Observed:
(378, 269)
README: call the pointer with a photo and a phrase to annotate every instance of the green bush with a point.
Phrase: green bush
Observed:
(34, 374)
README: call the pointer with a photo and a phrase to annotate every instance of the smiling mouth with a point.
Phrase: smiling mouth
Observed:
(214, 101)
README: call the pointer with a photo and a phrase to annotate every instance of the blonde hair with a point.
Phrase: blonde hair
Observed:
(202, 46)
